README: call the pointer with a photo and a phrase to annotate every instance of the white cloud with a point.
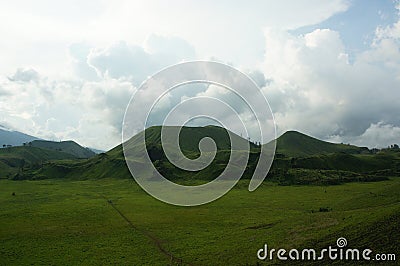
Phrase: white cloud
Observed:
(87, 74)
(39, 33)
(137, 63)
(78, 55)
(258, 77)
(88, 112)
(170, 49)
(377, 135)
(316, 90)
(25, 75)
(121, 60)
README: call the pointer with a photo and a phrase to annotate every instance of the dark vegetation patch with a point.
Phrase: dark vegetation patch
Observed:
(261, 226)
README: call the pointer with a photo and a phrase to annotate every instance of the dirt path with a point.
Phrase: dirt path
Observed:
(156, 241)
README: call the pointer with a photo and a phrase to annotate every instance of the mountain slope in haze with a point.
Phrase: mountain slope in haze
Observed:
(296, 144)
(70, 147)
(14, 138)
(96, 151)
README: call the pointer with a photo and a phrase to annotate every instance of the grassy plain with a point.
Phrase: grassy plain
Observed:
(57, 222)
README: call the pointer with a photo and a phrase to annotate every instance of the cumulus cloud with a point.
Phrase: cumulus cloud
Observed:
(89, 105)
(78, 53)
(3, 92)
(312, 82)
(89, 112)
(169, 49)
(106, 100)
(122, 60)
(317, 90)
(379, 135)
(136, 62)
(258, 77)
(25, 75)
(308, 80)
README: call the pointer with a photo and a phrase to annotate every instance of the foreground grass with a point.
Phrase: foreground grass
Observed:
(71, 222)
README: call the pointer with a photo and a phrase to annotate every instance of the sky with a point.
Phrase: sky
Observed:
(330, 69)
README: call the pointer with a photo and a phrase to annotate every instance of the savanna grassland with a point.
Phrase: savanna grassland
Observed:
(56, 222)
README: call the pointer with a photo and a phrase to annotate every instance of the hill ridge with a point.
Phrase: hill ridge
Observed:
(304, 160)
(68, 146)
(293, 143)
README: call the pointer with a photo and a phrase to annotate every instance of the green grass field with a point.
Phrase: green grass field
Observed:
(57, 222)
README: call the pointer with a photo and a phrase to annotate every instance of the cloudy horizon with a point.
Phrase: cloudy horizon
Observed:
(330, 69)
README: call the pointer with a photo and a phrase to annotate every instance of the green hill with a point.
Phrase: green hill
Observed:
(301, 160)
(112, 163)
(16, 159)
(190, 137)
(26, 162)
(296, 144)
(70, 147)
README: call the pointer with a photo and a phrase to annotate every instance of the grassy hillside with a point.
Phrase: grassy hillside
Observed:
(320, 168)
(190, 137)
(14, 160)
(70, 147)
(302, 160)
(348, 162)
(296, 144)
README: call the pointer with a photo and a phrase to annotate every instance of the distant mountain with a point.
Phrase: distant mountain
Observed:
(296, 144)
(70, 147)
(14, 138)
(97, 151)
